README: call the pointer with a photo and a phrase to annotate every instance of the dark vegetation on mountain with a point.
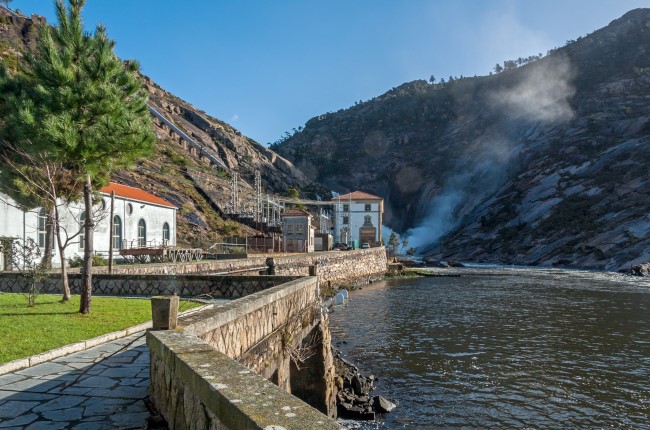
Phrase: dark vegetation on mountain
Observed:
(547, 163)
(175, 172)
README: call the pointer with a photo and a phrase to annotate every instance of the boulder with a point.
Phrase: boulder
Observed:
(383, 405)
(642, 269)
(431, 262)
(452, 263)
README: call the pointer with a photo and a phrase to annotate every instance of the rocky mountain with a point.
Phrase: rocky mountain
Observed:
(542, 164)
(195, 156)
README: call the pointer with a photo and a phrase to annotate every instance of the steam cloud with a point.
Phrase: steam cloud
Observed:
(541, 97)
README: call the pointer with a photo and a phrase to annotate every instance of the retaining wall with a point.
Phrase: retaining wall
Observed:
(334, 269)
(152, 285)
(198, 384)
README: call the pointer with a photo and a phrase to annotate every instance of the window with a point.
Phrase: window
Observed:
(42, 223)
(346, 220)
(289, 228)
(117, 232)
(165, 234)
(142, 233)
(129, 208)
(299, 228)
(368, 208)
(82, 235)
(367, 220)
(346, 208)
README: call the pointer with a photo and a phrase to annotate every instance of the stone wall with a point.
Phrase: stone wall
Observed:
(152, 285)
(196, 382)
(195, 387)
(335, 268)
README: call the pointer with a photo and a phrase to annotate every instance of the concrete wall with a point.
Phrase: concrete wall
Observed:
(197, 384)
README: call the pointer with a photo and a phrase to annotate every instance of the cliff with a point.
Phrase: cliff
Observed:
(542, 164)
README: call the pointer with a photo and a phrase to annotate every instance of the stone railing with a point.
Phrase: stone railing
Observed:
(196, 382)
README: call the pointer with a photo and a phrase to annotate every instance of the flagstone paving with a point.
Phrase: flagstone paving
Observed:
(99, 388)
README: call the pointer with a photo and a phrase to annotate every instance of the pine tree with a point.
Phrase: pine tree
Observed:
(82, 106)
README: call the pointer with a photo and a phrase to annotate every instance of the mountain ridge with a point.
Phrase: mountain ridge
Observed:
(490, 168)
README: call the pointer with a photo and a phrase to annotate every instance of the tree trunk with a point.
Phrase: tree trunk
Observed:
(49, 240)
(61, 247)
(64, 276)
(87, 275)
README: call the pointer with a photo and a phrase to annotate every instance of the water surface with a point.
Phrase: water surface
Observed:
(505, 348)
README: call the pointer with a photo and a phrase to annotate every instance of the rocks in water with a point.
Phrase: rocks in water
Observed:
(432, 262)
(383, 405)
(353, 398)
(452, 263)
(642, 269)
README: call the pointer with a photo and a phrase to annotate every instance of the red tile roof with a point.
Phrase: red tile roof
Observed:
(295, 212)
(357, 195)
(133, 193)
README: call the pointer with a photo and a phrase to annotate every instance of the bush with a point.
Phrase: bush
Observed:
(78, 260)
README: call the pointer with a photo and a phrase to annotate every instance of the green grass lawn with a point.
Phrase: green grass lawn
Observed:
(26, 331)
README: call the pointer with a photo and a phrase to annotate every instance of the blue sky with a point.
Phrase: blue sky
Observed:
(269, 66)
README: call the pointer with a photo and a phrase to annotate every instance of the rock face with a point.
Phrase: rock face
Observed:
(542, 164)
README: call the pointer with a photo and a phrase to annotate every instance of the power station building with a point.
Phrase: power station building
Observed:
(358, 218)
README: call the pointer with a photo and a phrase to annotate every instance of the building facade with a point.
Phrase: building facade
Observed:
(140, 219)
(298, 233)
(358, 218)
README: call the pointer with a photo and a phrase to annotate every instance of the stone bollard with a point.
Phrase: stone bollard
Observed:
(164, 312)
(313, 270)
(270, 262)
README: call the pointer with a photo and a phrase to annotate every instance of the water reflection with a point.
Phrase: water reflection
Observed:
(506, 348)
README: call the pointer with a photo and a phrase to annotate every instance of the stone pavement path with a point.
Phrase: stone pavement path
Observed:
(90, 389)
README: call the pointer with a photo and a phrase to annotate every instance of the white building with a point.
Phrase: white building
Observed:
(139, 219)
(358, 218)
(297, 231)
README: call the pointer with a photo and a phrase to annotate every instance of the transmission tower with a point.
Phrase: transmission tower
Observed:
(258, 196)
(234, 193)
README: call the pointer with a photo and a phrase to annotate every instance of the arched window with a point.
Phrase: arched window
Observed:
(142, 233)
(165, 234)
(82, 235)
(117, 232)
(42, 222)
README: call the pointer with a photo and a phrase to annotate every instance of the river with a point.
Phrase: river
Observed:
(504, 348)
